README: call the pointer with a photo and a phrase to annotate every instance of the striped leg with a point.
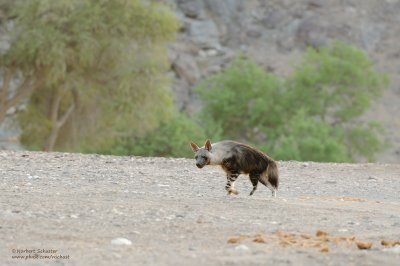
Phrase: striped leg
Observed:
(254, 181)
(231, 178)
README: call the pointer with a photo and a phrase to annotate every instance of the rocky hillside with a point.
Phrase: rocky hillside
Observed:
(276, 32)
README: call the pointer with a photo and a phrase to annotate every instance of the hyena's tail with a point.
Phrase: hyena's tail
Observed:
(273, 174)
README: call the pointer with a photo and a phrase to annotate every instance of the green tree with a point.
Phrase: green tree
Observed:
(94, 69)
(241, 101)
(312, 115)
(336, 82)
(304, 138)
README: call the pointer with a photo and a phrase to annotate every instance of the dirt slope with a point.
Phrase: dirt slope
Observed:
(175, 214)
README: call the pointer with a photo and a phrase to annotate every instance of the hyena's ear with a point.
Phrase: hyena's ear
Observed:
(208, 145)
(195, 148)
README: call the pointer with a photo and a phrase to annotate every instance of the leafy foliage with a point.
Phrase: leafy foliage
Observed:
(312, 115)
(235, 101)
(104, 60)
(304, 138)
(170, 138)
(336, 82)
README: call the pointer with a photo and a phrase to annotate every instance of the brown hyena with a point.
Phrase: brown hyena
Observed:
(236, 158)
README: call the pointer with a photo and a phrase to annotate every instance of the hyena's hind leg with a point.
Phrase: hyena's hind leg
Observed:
(231, 178)
(268, 185)
(254, 180)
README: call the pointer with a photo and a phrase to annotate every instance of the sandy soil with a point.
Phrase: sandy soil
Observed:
(72, 206)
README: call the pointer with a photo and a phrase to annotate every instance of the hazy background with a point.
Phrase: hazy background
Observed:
(302, 80)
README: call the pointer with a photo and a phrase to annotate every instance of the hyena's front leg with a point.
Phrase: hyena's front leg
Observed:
(231, 178)
(254, 180)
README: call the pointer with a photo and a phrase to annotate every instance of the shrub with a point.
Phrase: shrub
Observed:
(312, 115)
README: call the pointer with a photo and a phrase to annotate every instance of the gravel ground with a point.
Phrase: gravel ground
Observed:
(71, 209)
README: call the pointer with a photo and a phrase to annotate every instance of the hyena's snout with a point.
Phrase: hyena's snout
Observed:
(199, 165)
(200, 162)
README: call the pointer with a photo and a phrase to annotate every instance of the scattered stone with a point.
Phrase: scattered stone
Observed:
(211, 52)
(33, 176)
(193, 9)
(259, 239)
(363, 245)
(311, 32)
(346, 199)
(120, 241)
(390, 243)
(324, 249)
(321, 234)
(204, 33)
(242, 248)
(234, 239)
(186, 68)
(114, 210)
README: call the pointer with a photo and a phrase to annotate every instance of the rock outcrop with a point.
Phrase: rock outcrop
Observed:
(275, 33)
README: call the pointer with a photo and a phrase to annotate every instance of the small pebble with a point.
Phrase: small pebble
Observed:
(120, 241)
(242, 248)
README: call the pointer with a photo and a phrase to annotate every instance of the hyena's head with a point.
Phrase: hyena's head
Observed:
(202, 155)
